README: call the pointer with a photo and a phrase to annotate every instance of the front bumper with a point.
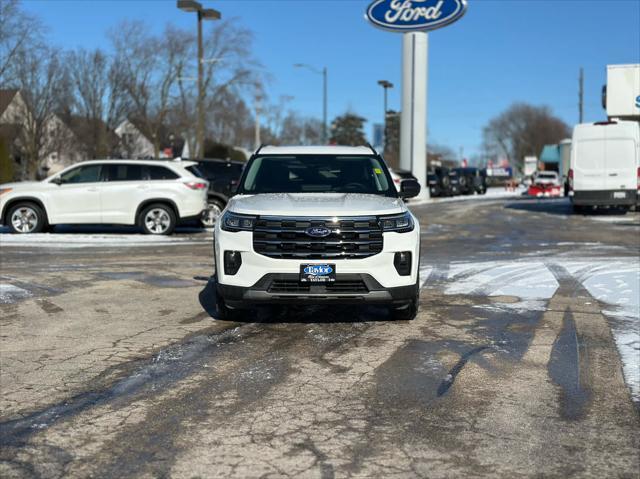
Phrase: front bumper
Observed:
(379, 266)
(285, 289)
(604, 198)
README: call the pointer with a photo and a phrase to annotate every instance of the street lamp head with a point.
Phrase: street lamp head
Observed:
(385, 84)
(211, 14)
(189, 5)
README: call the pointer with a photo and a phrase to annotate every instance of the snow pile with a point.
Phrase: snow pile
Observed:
(10, 293)
(73, 240)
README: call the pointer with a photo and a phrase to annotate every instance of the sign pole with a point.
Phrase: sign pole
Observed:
(413, 121)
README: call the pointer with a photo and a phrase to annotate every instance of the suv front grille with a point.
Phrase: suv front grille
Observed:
(358, 237)
(339, 286)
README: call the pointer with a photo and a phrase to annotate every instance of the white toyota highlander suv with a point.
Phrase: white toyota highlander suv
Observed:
(318, 225)
(155, 195)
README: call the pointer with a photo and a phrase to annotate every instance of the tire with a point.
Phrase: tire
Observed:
(224, 312)
(212, 213)
(26, 218)
(157, 219)
(410, 311)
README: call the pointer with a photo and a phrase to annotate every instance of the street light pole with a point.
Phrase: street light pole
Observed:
(324, 73)
(385, 85)
(203, 14)
(324, 106)
(200, 126)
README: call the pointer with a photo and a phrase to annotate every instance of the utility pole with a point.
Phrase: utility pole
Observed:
(258, 108)
(386, 85)
(323, 72)
(581, 96)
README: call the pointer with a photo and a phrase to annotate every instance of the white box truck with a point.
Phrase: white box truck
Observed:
(605, 165)
(622, 93)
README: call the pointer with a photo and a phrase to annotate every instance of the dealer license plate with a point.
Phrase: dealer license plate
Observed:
(619, 195)
(317, 273)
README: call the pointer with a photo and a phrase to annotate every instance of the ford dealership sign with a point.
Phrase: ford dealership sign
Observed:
(415, 15)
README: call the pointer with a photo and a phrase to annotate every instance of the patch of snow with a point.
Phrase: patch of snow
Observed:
(96, 240)
(425, 272)
(525, 280)
(10, 293)
(617, 283)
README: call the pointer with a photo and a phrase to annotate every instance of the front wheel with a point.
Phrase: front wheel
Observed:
(212, 213)
(25, 218)
(157, 219)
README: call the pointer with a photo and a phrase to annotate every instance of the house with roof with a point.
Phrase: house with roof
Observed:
(137, 142)
(60, 146)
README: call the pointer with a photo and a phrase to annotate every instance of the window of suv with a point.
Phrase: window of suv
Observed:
(131, 172)
(123, 172)
(82, 174)
(161, 173)
(317, 174)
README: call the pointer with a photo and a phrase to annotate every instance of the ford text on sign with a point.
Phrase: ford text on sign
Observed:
(415, 15)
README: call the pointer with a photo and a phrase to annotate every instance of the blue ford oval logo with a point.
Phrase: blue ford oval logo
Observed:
(318, 231)
(318, 270)
(415, 15)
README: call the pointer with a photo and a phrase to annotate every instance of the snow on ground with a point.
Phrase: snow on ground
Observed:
(10, 293)
(612, 281)
(531, 282)
(617, 283)
(79, 240)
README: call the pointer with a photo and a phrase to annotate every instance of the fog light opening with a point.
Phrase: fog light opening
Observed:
(232, 262)
(402, 262)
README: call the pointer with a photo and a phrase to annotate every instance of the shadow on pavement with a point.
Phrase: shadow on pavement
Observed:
(109, 229)
(306, 314)
(560, 206)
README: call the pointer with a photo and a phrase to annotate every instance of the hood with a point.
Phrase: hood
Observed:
(315, 204)
(20, 185)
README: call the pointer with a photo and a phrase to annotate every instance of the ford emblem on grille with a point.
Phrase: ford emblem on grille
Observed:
(318, 231)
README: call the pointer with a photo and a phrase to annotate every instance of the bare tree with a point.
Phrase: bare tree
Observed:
(18, 32)
(229, 73)
(150, 68)
(298, 130)
(523, 130)
(39, 77)
(99, 101)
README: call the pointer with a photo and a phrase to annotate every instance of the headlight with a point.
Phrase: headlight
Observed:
(235, 222)
(5, 190)
(399, 223)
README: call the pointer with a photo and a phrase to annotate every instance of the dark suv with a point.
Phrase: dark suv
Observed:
(471, 180)
(438, 181)
(223, 176)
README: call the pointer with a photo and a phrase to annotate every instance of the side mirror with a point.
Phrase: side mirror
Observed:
(57, 181)
(409, 189)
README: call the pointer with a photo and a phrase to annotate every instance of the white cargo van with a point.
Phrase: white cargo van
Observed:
(605, 164)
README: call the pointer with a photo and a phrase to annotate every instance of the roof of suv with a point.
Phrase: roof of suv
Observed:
(316, 150)
(163, 162)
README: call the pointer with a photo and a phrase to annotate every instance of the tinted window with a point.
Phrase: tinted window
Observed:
(161, 173)
(82, 174)
(320, 174)
(119, 172)
(212, 170)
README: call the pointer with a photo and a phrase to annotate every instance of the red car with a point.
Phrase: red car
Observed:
(545, 184)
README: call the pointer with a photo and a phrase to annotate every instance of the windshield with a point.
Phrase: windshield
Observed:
(317, 174)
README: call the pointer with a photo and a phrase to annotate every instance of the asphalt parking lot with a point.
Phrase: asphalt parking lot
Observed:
(523, 361)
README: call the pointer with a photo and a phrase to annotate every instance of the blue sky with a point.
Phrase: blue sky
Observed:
(500, 52)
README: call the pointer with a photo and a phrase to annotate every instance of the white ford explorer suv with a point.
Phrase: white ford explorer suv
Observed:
(318, 225)
(155, 195)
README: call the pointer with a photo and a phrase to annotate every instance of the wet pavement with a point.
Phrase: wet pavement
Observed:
(523, 361)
